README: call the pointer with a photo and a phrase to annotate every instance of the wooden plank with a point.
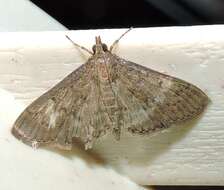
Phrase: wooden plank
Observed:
(192, 154)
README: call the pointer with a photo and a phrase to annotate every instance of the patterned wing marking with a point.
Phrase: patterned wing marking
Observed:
(154, 100)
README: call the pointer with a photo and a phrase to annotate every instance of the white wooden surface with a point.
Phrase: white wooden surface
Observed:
(31, 63)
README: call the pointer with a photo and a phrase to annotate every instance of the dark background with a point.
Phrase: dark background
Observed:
(93, 14)
(86, 14)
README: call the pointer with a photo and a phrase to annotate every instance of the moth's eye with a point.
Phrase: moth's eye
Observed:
(104, 47)
(94, 48)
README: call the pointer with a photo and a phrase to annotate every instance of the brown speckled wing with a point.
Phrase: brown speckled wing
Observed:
(155, 101)
(55, 117)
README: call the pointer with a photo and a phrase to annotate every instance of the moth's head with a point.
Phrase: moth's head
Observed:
(99, 47)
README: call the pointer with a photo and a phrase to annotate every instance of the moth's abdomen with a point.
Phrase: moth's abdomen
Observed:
(112, 107)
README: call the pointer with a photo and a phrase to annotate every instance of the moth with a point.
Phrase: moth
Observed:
(108, 94)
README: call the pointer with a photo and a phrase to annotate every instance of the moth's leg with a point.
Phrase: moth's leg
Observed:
(116, 41)
(81, 47)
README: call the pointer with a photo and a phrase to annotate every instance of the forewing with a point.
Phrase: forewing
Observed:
(153, 100)
(53, 117)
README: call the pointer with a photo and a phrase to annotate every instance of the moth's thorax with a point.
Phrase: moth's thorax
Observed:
(101, 60)
(103, 66)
